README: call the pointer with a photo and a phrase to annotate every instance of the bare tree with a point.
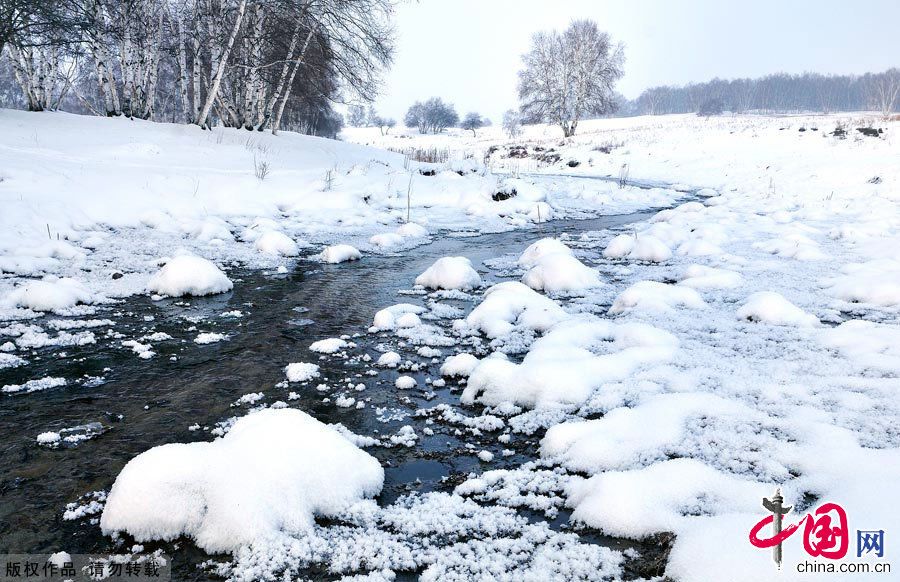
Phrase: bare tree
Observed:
(512, 123)
(884, 90)
(472, 122)
(570, 75)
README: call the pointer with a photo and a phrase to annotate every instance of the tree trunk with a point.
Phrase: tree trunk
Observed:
(287, 92)
(220, 69)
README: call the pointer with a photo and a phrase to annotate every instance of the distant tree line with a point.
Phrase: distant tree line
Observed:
(778, 93)
(255, 64)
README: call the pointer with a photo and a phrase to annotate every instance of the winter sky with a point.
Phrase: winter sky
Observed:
(467, 51)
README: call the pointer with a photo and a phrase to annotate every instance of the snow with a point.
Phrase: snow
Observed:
(189, 275)
(405, 383)
(876, 282)
(34, 385)
(510, 305)
(773, 308)
(49, 294)
(273, 472)
(459, 365)
(560, 273)
(389, 360)
(209, 338)
(340, 254)
(328, 346)
(571, 360)
(301, 372)
(386, 319)
(450, 273)
(540, 249)
(640, 248)
(277, 243)
(656, 297)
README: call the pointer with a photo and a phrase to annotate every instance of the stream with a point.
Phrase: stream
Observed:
(142, 403)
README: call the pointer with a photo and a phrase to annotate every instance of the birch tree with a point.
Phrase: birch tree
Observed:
(570, 75)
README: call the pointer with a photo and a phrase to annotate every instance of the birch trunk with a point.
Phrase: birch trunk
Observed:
(276, 123)
(220, 69)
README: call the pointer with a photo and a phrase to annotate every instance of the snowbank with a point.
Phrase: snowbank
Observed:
(273, 472)
(450, 273)
(189, 275)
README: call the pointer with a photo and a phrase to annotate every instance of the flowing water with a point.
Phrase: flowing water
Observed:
(143, 403)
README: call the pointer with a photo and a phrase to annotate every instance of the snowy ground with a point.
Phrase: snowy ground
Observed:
(670, 374)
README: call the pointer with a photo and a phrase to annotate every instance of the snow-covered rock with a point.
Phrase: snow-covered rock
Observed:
(274, 472)
(301, 372)
(340, 254)
(274, 242)
(770, 307)
(459, 365)
(450, 273)
(189, 275)
(560, 273)
(328, 346)
(541, 248)
(50, 294)
(512, 304)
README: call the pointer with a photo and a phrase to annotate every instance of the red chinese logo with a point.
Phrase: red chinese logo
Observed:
(825, 531)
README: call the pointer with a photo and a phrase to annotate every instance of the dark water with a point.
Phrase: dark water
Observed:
(145, 403)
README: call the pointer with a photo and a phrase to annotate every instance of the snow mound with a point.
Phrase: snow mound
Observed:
(459, 365)
(512, 304)
(620, 438)
(50, 294)
(876, 282)
(542, 248)
(277, 243)
(642, 247)
(405, 383)
(654, 296)
(702, 277)
(450, 273)
(770, 307)
(340, 254)
(655, 498)
(301, 372)
(560, 273)
(273, 472)
(189, 275)
(867, 344)
(567, 364)
(389, 360)
(328, 346)
(209, 338)
(386, 319)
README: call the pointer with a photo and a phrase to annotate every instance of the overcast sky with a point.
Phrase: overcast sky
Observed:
(468, 51)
